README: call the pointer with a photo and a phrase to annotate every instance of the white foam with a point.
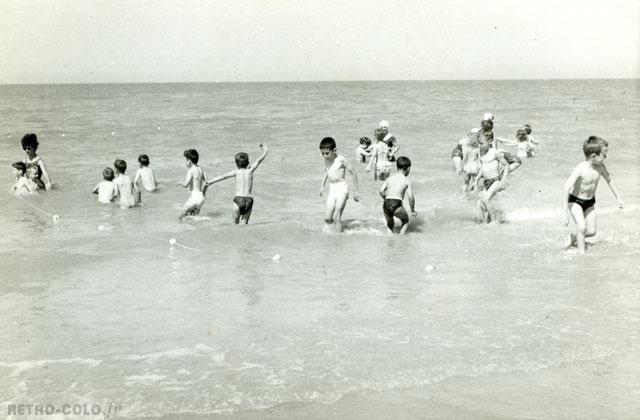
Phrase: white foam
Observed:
(24, 365)
(199, 350)
(525, 214)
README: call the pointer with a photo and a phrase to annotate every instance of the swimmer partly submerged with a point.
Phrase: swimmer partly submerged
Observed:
(335, 168)
(195, 181)
(579, 195)
(23, 185)
(125, 190)
(393, 191)
(243, 200)
(106, 189)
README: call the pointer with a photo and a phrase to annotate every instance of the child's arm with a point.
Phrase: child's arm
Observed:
(374, 161)
(187, 180)
(354, 176)
(95, 190)
(324, 181)
(612, 187)
(412, 199)
(260, 159)
(568, 185)
(505, 141)
(383, 189)
(220, 178)
(45, 175)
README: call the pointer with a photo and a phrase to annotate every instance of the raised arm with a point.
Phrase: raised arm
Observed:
(260, 159)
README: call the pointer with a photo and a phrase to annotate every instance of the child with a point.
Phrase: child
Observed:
(490, 160)
(579, 192)
(36, 170)
(470, 164)
(533, 144)
(456, 154)
(365, 149)
(335, 167)
(195, 181)
(106, 189)
(393, 191)
(243, 201)
(23, 185)
(521, 142)
(380, 158)
(145, 175)
(125, 190)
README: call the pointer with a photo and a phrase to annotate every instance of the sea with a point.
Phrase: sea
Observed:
(200, 318)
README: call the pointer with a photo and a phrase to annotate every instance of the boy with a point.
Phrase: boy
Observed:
(106, 189)
(23, 185)
(36, 170)
(243, 201)
(393, 191)
(490, 161)
(335, 167)
(579, 192)
(533, 144)
(124, 188)
(380, 158)
(145, 175)
(195, 181)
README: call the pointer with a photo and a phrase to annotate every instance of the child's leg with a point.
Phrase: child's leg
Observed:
(245, 217)
(401, 214)
(578, 218)
(590, 222)
(236, 213)
(389, 218)
(330, 209)
(340, 204)
(457, 164)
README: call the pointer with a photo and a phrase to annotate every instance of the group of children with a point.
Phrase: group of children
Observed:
(476, 156)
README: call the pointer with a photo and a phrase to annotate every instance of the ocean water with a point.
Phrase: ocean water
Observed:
(98, 307)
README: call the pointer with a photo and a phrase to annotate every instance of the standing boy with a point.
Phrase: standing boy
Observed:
(393, 191)
(335, 167)
(243, 200)
(579, 192)
(195, 182)
(124, 188)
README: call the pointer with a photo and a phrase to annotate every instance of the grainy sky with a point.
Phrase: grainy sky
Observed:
(96, 41)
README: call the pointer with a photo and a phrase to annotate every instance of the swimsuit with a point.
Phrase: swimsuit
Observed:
(338, 190)
(510, 158)
(390, 206)
(584, 203)
(195, 201)
(383, 169)
(457, 151)
(489, 182)
(245, 204)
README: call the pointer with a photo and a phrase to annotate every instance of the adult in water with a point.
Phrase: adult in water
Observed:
(456, 153)
(391, 141)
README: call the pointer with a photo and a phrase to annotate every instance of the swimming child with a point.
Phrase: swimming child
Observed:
(243, 200)
(470, 163)
(364, 150)
(195, 181)
(393, 191)
(36, 170)
(335, 168)
(23, 185)
(579, 198)
(380, 158)
(490, 160)
(125, 190)
(106, 189)
(145, 176)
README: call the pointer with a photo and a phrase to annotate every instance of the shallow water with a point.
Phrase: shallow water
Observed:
(99, 308)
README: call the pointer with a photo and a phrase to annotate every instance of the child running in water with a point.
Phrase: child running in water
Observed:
(106, 189)
(579, 199)
(393, 191)
(335, 168)
(243, 200)
(36, 171)
(125, 190)
(490, 160)
(195, 181)
(23, 185)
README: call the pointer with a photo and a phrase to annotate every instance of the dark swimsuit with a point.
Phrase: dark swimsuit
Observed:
(245, 204)
(510, 158)
(390, 206)
(585, 204)
(489, 182)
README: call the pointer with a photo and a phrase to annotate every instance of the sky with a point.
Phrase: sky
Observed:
(118, 41)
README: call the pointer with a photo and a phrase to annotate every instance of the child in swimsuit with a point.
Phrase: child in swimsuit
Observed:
(456, 153)
(336, 167)
(393, 191)
(470, 164)
(125, 190)
(490, 160)
(533, 143)
(365, 149)
(23, 185)
(145, 176)
(195, 181)
(580, 189)
(106, 189)
(36, 170)
(380, 158)
(243, 200)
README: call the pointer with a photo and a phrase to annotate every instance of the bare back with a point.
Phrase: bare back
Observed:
(196, 175)
(244, 182)
(396, 186)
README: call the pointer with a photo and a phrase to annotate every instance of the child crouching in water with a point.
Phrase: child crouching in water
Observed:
(393, 191)
(243, 200)
(23, 185)
(106, 189)
(579, 195)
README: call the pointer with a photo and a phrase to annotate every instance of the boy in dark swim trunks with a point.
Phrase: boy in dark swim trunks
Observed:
(243, 201)
(393, 191)
(579, 192)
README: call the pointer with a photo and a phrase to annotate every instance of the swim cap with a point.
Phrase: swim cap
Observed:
(384, 124)
(488, 116)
